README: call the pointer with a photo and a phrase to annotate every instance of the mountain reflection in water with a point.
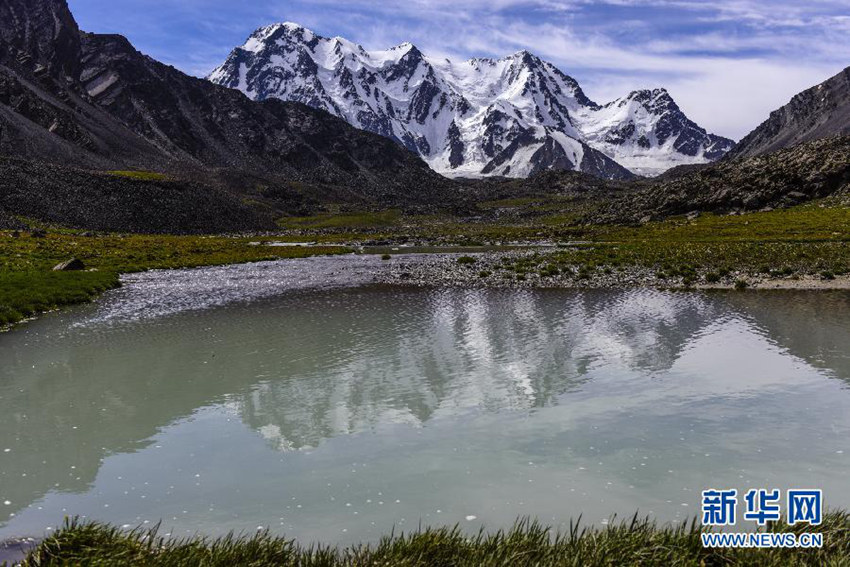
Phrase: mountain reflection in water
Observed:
(79, 388)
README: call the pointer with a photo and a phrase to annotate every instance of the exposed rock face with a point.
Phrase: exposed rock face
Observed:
(93, 101)
(787, 177)
(513, 116)
(818, 112)
(40, 36)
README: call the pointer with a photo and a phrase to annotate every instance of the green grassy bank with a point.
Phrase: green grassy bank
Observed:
(636, 542)
(812, 240)
(687, 263)
(548, 218)
(29, 286)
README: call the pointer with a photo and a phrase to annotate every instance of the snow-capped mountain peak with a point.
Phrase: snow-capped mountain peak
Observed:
(511, 116)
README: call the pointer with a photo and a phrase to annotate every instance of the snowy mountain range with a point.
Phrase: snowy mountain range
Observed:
(513, 116)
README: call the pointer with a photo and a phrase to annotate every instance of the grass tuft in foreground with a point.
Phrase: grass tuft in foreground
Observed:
(528, 543)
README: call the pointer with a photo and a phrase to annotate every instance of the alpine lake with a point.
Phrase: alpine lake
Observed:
(299, 397)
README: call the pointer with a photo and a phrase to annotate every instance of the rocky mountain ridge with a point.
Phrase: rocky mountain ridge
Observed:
(514, 116)
(818, 112)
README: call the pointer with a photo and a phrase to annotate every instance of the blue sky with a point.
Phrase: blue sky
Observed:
(727, 62)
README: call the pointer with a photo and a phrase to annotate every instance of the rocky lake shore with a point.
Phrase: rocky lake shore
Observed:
(497, 270)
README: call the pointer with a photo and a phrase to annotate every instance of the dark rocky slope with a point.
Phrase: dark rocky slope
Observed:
(818, 112)
(8, 222)
(549, 183)
(783, 178)
(81, 199)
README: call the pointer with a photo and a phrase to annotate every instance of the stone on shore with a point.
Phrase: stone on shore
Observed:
(71, 265)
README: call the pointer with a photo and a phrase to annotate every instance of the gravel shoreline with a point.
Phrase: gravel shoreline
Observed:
(488, 270)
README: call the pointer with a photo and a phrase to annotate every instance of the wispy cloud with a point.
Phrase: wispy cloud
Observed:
(728, 63)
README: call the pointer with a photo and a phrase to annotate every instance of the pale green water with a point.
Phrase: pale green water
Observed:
(336, 414)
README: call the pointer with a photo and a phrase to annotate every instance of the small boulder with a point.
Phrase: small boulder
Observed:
(693, 215)
(72, 265)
